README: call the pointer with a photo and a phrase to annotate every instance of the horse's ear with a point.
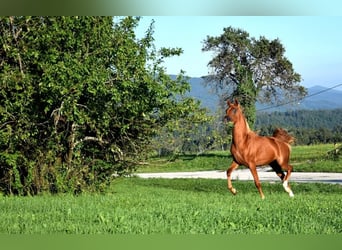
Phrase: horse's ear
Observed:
(229, 103)
(236, 102)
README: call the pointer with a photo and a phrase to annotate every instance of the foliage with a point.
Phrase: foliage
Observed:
(250, 68)
(80, 99)
(185, 135)
(191, 206)
(307, 119)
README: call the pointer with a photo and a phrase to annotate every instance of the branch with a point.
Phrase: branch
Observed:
(15, 36)
(4, 124)
(91, 138)
(56, 113)
(233, 78)
(83, 106)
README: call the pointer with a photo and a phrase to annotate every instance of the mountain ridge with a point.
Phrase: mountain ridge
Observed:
(318, 98)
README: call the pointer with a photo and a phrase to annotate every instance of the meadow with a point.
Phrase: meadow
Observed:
(179, 206)
(185, 206)
(313, 158)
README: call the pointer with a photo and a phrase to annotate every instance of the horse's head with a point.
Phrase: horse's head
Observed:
(233, 111)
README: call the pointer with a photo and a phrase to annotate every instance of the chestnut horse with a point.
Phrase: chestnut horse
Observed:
(252, 150)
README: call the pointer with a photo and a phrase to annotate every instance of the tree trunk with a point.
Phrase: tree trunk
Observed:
(71, 142)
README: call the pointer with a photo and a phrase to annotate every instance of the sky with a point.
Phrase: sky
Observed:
(313, 44)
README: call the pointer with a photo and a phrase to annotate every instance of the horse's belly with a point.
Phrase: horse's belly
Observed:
(239, 158)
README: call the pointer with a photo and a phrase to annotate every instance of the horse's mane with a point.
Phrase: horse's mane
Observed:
(245, 119)
(282, 135)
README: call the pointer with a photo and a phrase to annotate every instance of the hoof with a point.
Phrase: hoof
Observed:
(233, 191)
(288, 189)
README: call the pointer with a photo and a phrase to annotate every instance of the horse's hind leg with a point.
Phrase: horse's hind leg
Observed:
(232, 167)
(277, 168)
(286, 180)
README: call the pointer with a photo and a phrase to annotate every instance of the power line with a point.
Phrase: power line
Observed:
(308, 96)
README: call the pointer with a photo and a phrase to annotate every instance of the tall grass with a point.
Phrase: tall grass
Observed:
(191, 206)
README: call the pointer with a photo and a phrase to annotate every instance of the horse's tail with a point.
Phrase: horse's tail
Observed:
(282, 135)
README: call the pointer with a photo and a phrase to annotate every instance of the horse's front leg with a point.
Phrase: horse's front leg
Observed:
(252, 167)
(232, 167)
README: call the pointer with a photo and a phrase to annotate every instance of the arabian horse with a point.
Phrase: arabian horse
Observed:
(252, 150)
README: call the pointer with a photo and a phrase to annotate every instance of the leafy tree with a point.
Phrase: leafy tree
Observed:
(185, 135)
(251, 69)
(80, 99)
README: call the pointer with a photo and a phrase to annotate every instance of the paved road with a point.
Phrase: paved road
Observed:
(244, 174)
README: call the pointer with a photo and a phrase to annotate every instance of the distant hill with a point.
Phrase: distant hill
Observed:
(204, 94)
(304, 119)
(318, 97)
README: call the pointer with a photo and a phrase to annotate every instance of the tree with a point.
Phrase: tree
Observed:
(80, 99)
(251, 69)
(185, 135)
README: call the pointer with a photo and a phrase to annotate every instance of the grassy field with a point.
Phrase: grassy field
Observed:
(186, 206)
(195, 206)
(312, 158)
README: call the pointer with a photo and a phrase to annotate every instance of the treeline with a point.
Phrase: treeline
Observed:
(308, 126)
(311, 119)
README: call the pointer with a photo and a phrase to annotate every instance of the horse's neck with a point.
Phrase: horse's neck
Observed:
(240, 131)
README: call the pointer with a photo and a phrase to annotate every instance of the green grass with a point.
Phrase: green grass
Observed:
(315, 159)
(179, 206)
(187, 206)
(304, 159)
(208, 161)
(311, 152)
